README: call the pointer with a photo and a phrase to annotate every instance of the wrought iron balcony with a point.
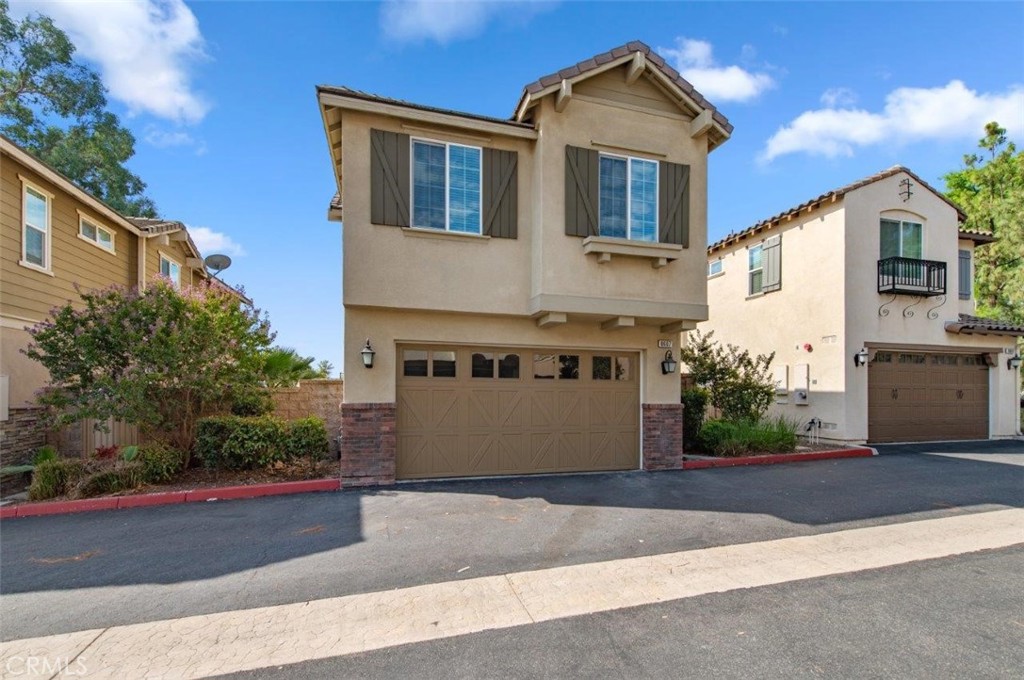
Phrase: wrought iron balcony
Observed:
(910, 276)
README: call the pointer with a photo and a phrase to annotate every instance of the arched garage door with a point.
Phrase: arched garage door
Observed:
(920, 396)
(477, 411)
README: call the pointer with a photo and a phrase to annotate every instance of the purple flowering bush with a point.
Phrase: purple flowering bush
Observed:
(161, 358)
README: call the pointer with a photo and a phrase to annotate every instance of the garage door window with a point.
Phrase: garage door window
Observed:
(483, 365)
(623, 368)
(602, 368)
(414, 363)
(444, 364)
(508, 366)
(911, 359)
(569, 366)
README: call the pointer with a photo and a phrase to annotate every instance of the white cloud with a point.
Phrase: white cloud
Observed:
(144, 50)
(910, 114)
(838, 97)
(166, 139)
(209, 242)
(695, 61)
(445, 20)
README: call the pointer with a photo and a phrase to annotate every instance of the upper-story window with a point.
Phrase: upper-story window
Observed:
(101, 236)
(756, 268)
(715, 267)
(446, 186)
(171, 270)
(35, 234)
(628, 198)
(901, 239)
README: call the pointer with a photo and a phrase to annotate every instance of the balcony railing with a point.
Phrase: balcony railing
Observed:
(910, 276)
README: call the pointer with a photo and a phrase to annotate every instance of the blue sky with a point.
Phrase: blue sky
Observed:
(221, 98)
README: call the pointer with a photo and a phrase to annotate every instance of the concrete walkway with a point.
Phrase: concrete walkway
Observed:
(233, 641)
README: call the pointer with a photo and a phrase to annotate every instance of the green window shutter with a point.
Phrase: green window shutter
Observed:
(501, 193)
(674, 203)
(581, 191)
(389, 178)
(772, 261)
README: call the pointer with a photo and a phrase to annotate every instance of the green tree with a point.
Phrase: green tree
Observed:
(990, 189)
(55, 108)
(324, 368)
(283, 367)
(161, 358)
(737, 383)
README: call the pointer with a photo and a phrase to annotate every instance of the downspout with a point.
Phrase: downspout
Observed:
(141, 268)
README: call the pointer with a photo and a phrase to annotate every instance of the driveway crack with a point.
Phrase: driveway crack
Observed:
(520, 599)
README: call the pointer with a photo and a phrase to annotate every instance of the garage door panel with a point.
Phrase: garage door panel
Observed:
(488, 421)
(915, 396)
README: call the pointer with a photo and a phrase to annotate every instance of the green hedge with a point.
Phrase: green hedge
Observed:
(695, 404)
(160, 462)
(741, 438)
(245, 443)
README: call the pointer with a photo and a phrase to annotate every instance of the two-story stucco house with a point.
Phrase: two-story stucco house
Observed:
(865, 296)
(521, 282)
(55, 236)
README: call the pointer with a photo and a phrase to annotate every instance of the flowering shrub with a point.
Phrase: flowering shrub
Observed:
(160, 358)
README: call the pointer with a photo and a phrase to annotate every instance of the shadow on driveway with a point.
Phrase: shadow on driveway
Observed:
(371, 538)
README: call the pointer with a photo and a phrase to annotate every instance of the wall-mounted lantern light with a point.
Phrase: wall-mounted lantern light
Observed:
(367, 354)
(861, 357)
(669, 364)
(1013, 362)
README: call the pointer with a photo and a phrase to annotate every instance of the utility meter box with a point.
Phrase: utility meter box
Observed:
(801, 384)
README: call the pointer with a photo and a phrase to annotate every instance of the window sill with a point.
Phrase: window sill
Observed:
(716, 276)
(660, 254)
(97, 245)
(35, 267)
(438, 233)
(754, 296)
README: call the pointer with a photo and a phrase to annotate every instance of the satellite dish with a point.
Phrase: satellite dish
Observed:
(217, 263)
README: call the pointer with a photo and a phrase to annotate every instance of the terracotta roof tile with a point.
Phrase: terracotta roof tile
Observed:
(967, 323)
(735, 237)
(367, 96)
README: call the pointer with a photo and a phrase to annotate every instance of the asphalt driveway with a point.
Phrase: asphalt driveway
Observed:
(145, 564)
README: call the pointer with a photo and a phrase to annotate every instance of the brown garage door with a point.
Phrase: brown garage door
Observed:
(916, 396)
(466, 411)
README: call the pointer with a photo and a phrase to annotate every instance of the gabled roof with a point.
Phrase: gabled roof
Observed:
(645, 57)
(156, 227)
(836, 194)
(978, 325)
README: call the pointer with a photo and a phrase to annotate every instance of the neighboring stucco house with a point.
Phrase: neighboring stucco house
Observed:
(865, 296)
(56, 236)
(520, 280)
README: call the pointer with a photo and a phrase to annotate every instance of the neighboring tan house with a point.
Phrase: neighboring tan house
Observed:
(521, 280)
(865, 296)
(56, 236)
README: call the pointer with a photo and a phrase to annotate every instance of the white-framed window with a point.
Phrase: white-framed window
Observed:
(92, 232)
(628, 197)
(171, 270)
(447, 186)
(715, 267)
(755, 261)
(36, 206)
(901, 239)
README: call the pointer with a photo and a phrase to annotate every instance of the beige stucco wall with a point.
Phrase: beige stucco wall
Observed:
(864, 324)
(808, 309)
(25, 375)
(407, 286)
(388, 328)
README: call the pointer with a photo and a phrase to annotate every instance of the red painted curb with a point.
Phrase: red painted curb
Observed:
(778, 458)
(259, 490)
(146, 500)
(64, 507)
(169, 498)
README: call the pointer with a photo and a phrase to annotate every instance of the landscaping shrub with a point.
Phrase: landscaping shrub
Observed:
(695, 403)
(45, 453)
(107, 478)
(52, 478)
(739, 438)
(238, 443)
(106, 452)
(306, 437)
(252, 404)
(739, 384)
(160, 462)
